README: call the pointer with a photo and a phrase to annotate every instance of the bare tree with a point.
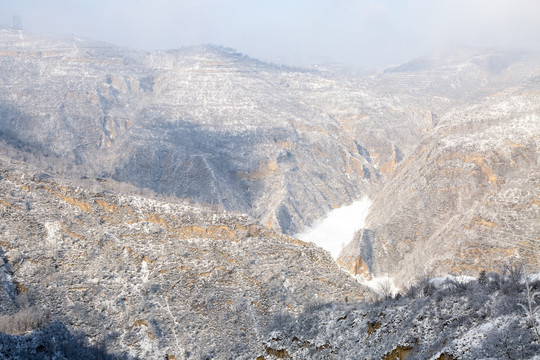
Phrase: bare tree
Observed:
(532, 309)
(385, 289)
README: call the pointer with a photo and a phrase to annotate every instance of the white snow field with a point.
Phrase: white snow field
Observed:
(338, 227)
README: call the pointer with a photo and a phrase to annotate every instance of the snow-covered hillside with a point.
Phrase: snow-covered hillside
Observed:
(146, 198)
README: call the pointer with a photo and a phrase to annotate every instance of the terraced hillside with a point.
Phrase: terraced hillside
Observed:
(150, 278)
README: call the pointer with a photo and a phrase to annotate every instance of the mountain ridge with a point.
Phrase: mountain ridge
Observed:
(146, 198)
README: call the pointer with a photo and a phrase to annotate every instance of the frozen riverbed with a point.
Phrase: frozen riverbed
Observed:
(338, 227)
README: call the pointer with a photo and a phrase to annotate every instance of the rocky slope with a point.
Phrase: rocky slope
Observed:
(446, 147)
(443, 319)
(130, 277)
(466, 199)
(282, 144)
(153, 279)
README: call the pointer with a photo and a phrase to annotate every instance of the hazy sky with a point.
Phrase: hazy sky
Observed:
(357, 32)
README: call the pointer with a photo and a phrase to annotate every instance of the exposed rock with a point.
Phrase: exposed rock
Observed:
(205, 123)
(153, 278)
(466, 200)
(451, 139)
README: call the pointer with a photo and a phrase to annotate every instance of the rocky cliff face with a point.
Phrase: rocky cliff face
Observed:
(284, 145)
(466, 200)
(152, 279)
(206, 123)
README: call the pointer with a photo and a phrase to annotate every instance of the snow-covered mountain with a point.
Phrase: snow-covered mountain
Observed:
(466, 199)
(152, 278)
(206, 123)
(147, 199)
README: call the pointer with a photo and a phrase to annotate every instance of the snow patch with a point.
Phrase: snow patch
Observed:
(382, 285)
(463, 279)
(534, 277)
(337, 229)
(53, 229)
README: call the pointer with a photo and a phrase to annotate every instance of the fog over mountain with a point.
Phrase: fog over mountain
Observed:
(359, 33)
